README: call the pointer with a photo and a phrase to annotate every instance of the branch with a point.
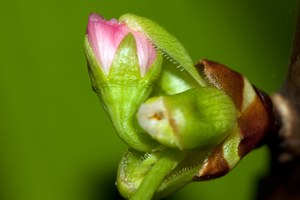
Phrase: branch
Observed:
(283, 181)
(287, 103)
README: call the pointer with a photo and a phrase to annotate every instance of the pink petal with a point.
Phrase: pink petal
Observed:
(105, 37)
(146, 52)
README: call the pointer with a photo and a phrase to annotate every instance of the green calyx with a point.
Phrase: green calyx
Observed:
(199, 118)
(124, 89)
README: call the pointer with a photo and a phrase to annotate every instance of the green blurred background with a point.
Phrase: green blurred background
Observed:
(56, 141)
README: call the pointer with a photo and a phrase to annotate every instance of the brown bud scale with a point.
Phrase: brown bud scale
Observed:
(254, 119)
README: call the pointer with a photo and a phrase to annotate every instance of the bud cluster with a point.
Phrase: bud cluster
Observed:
(179, 126)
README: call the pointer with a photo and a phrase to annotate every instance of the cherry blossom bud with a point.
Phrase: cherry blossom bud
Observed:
(123, 66)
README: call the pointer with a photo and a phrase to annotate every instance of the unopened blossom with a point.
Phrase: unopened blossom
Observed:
(105, 37)
(123, 67)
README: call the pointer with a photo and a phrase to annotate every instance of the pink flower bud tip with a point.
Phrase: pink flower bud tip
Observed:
(105, 37)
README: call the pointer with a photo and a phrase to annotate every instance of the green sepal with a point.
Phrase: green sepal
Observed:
(132, 170)
(164, 41)
(173, 81)
(124, 89)
(135, 167)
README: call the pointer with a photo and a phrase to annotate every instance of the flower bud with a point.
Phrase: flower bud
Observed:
(123, 66)
(198, 118)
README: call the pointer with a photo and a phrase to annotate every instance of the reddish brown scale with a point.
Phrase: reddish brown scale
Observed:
(215, 166)
(223, 78)
(254, 122)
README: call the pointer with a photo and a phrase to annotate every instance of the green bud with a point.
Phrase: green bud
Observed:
(199, 118)
(128, 79)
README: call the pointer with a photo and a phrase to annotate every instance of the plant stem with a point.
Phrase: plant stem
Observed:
(170, 159)
(283, 180)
